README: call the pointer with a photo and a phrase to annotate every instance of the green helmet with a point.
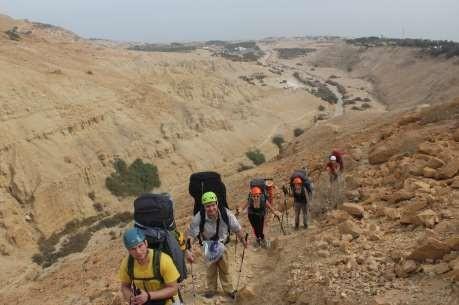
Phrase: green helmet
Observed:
(132, 237)
(208, 198)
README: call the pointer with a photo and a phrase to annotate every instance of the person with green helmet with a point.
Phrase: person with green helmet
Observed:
(212, 228)
(139, 283)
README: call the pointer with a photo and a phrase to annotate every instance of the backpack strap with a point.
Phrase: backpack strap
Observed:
(155, 267)
(225, 218)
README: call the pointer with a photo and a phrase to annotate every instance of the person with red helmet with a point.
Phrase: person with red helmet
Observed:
(257, 204)
(335, 165)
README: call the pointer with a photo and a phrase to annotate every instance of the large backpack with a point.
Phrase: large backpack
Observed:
(154, 215)
(202, 182)
(302, 174)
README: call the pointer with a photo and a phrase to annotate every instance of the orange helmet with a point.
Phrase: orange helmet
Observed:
(297, 180)
(255, 190)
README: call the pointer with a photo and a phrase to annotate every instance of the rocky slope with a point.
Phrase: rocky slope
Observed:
(70, 107)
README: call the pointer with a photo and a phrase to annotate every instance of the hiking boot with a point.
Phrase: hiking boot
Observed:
(209, 294)
(296, 228)
(231, 295)
(305, 226)
(263, 243)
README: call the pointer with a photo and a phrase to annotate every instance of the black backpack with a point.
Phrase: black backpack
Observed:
(302, 174)
(154, 215)
(202, 182)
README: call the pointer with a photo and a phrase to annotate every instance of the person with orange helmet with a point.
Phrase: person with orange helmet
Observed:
(257, 204)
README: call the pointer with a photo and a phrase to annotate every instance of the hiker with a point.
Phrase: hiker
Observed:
(147, 276)
(271, 190)
(334, 168)
(257, 204)
(212, 231)
(301, 190)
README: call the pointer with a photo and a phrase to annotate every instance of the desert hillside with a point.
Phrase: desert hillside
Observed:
(71, 107)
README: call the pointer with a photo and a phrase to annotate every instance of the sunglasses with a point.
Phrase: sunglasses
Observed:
(256, 196)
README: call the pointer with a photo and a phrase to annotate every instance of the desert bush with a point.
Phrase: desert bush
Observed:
(77, 234)
(298, 131)
(289, 53)
(321, 107)
(365, 106)
(256, 156)
(13, 34)
(173, 47)
(278, 140)
(138, 178)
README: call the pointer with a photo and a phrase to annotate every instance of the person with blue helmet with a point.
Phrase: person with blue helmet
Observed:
(139, 283)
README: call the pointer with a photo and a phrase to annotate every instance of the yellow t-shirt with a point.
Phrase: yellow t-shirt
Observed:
(167, 269)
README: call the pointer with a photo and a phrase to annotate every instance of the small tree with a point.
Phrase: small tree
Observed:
(138, 178)
(278, 140)
(298, 131)
(256, 156)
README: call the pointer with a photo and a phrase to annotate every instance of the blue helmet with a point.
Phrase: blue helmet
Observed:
(132, 237)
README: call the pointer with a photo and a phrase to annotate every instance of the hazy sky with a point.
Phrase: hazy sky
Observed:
(191, 20)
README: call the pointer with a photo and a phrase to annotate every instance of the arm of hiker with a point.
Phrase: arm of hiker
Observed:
(270, 207)
(241, 236)
(241, 207)
(126, 291)
(191, 234)
(167, 292)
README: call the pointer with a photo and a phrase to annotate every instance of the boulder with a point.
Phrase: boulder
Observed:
(428, 218)
(449, 170)
(431, 149)
(323, 253)
(337, 216)
(405, 268)
(430, 248)
(401, 195)
(454, 265)
(455, 183)
(392, 213)
(431, 161)
(456, 135)
(245, 294)
(453, 243)
(429, 172)
(381, 153)
(441, 268)
(353, 209)
(350, 227)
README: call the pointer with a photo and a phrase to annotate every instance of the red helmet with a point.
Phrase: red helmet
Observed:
(255, 190)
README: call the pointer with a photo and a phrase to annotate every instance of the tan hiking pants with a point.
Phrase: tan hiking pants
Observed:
(220, 269)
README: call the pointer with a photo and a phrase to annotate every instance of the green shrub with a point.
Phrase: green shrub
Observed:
(278, 140)
(138, 178)
(75, 237)
(256, 156)
(298, 131)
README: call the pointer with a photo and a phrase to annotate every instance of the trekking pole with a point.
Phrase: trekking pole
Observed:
(193, 287)
(240, 267)
(235, 251)
(281, 225)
